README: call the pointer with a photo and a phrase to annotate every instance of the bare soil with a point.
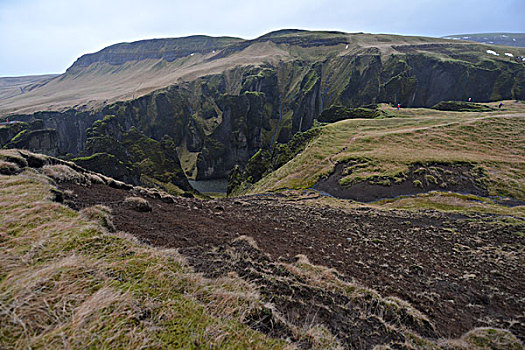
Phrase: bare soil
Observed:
(460, 271)
(461, 178)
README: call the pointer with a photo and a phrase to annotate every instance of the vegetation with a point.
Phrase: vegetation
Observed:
(336, 113)
(379, 149)
(66, 282)
(459, 106)
(133, 157)
(69, 280)
(266, 161)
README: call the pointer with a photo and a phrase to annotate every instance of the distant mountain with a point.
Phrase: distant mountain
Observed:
(215, 102)
(508, 39)
(12, 86)
(127, 71)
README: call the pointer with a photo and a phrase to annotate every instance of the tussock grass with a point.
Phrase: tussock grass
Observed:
(395, 310)
(138, 204)
(8, 168)
(64, 173)
(451, 202)
(100, 214)
(484, 338)
(66, 282)
(13, 156)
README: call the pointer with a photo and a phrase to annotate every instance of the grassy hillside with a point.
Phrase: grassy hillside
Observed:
(383, 150)
(69, 279)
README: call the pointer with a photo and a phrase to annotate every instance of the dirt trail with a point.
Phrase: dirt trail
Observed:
(460, 271)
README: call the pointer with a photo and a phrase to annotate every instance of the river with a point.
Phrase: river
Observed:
(210, 186)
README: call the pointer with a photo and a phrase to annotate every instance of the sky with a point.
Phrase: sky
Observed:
(47, 36)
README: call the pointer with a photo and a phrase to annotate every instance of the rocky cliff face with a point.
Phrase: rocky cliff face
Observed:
(131, 156)
(70, 128)
(32, 136)
(218, 121)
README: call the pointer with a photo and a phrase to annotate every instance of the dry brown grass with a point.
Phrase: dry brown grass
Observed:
(8, 168)
(64, 173)
(101, 214)
(65, 282)
(138, 204)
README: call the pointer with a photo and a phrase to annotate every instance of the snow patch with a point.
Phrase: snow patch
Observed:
(509, 54)
(346, 48)
(492, 53)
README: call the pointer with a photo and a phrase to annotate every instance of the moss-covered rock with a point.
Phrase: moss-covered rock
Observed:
(41, 141)
(266, 161)
(111, 166)
(133, 157)
(219, 120)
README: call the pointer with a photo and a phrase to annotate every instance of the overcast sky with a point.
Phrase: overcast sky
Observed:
(46, 36)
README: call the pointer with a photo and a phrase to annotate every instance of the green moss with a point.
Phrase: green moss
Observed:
(309, 81)
(383, 182)
(431, 179)
(264, 161)
(20, 136)
(417, 183)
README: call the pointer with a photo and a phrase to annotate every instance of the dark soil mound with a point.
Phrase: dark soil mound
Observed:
(459, 106)
(421, 178)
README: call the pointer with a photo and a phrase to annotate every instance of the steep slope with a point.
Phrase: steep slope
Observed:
(88, 261)
(13, 86)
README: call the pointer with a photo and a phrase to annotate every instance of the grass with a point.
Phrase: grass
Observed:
(388, 147)
(138, 204)
(66, 282)
(452, 202)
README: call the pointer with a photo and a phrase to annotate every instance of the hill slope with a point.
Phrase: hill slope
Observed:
(13, 86)
(235, 97)
(73, 275)
(413, 151)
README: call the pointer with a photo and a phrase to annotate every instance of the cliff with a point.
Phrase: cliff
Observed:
(257, 94)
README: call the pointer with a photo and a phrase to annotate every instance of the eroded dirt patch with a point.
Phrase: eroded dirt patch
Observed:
(461, 178)
(459, 271)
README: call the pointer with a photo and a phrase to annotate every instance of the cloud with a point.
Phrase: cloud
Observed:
(43, 36)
